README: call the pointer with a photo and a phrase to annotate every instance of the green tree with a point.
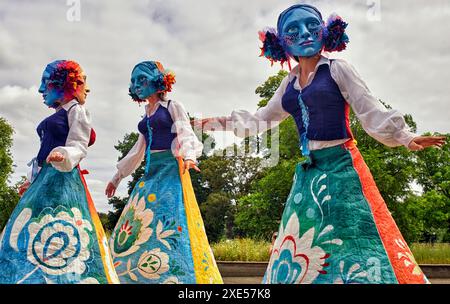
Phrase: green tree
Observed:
(231, 175)
(256, 216)
(9, 198)
(8, 195)
(258, 213)
(104, 220)
(427, 216)
(6, 141)
(215, 212)
(433, 169)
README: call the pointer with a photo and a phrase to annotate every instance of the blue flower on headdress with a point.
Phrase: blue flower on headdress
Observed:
(335, 38)
(272, 47)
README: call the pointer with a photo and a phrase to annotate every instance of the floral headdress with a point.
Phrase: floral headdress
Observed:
(163, 80)
(64, 76)
(333, 32)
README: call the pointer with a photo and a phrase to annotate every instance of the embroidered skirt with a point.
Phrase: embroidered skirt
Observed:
(160, 236)
(54, 234)
(336, 227)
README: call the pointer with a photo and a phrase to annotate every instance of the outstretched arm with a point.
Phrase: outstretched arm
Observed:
(243, 123)
(385, 125)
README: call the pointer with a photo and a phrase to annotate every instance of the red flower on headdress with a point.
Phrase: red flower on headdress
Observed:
(67, 74)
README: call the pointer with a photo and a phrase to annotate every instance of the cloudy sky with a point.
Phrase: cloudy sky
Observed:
(399, 47)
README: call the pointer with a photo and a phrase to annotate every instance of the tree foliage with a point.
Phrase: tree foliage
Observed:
(216, 213)
(8, 195)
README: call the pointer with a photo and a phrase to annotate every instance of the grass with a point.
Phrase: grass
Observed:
(431, 254)
(258, 251)
(241, 250)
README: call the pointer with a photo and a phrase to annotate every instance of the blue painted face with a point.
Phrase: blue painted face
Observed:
(51, 95)
(142, 83)
(302, 33)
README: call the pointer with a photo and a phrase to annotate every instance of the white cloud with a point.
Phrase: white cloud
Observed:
(213, 48)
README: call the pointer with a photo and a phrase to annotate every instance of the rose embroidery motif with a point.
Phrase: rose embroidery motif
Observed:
(58, 244)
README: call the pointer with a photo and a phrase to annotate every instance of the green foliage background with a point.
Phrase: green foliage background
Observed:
(8, 195)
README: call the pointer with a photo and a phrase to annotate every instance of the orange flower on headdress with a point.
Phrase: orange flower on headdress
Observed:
(159, 66)
(67, 75)
(169, 80)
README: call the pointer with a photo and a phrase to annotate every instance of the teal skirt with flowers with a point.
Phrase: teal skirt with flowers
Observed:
(336, 227)
(160, 237)
(54, 234)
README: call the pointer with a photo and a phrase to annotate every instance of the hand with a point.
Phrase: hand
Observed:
(24, 187)
(190, 164)
(55, 157)
(421, 142)
(110, 190)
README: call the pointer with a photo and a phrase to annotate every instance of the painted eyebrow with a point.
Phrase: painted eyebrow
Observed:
(308, 20)
(312, 19)
(289, 25)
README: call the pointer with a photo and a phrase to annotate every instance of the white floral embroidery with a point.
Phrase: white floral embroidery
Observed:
(153, 263)
(161, 235)
(295, 259)
(172, 280)
(317, 195)
(89, 281)
(408, 258)
(60, 244)
(22, 219)
(351, 275)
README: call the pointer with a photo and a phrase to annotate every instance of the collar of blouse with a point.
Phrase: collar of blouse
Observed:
(295, 71)
(67, 105)
(163, 103)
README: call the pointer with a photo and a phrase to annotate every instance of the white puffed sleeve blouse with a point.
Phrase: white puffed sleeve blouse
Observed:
(386, 126)
(187, 144)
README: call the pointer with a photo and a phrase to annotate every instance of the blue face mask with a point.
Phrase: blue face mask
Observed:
(301, 32)
(51, 95)
(142, 83)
